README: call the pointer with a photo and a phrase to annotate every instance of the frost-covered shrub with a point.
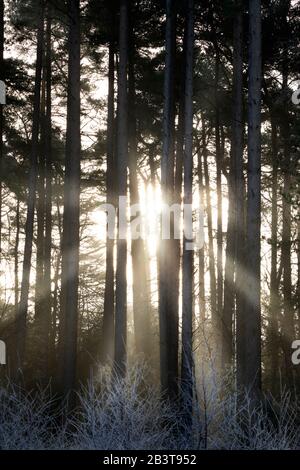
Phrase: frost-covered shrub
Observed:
(124, 414)
(129, 414)
(28, 420)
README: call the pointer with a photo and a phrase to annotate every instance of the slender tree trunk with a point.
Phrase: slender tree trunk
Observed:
(16, 256)
(122, 163)
(109, 293)
(23, 305)
(40, 213)
(141, 297)
(71, 223)
(47, 299)
(187, 365)
(239, 184)
(288, 326)
(228, 310)
(211, 256)
(219, 205)
(201, 251)
(253, 307)
(168, 317)
(179, 179)
(273, 329)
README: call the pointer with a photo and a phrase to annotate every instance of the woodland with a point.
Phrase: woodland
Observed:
(116, 341)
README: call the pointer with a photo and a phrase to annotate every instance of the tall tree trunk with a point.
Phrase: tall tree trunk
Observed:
(179, 174)
(229, 285)
(274, 305)
(253, 308)
(219, 202)
(187, 261)
(40, 212)
(109, 292)
(288, 327)
(141, 297)
(47, 299)
(23, 305)
(211, 256)
(16, 256)
(201, 251)
(122, 163)
(168, 317)
(71, 222)
(239, 185)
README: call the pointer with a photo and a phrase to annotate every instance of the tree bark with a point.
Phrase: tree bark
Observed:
(47, 302)
(274, 303)
(107, 346)
(71, 222)
(252, 338)
(16, 256)
(229, 284)
(122, 163)
(211, 256)
(201, 251)
(240, 194)
(219, 203)
(141, 297)
(168, 317)
(288, 325)
(187, 365)
(23, 305)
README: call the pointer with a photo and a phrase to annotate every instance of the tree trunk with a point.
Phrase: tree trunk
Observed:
(229, 286)
(219, 204)
(179, 175)
(40, 213)
(16, 256)
(122, 163)
(253, 308)
(239, 185)
(187, 364)
(274, 305)
(201, 251)
(47, 299)
(109, 293)
(141, 297)
(168, 317)
(23, 305)
(211, 256)
(71, 222)
(288, 327)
